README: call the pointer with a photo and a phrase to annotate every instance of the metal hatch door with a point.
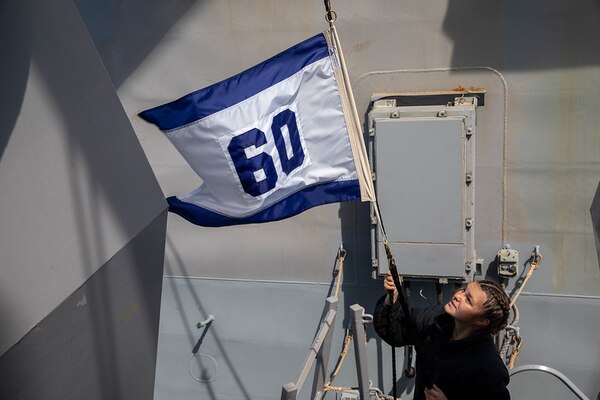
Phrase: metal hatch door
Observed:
(421, 163)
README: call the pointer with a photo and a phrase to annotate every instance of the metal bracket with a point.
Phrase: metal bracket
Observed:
(359, 318)
(389, 103)
(464, 100)
(468, 177)
(468, 223)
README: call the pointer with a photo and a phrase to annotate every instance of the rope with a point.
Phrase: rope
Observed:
(511, 338)
(200, 378)
(394, 378)
(515, 310)
(536, 260)
(327, 386)
(340, 258)
(515, 352)
(510, 332)
(359, 152)
(339, 388)
(403, 306)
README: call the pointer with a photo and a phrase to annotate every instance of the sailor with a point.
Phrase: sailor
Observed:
(456, 355)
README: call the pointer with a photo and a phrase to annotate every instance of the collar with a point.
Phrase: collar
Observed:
(445, 323)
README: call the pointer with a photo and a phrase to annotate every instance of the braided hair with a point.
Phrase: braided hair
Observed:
(496, 307)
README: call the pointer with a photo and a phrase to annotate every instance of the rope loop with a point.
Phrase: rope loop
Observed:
(536, 260)
(534, 264)
(515, 352)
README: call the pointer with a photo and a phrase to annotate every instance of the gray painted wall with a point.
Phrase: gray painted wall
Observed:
(261, 333)
(561, 332)
(155, 54)
(546, 52)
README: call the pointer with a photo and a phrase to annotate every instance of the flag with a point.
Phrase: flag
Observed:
(268, 143)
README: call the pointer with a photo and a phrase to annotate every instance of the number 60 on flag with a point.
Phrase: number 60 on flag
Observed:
(258, 174)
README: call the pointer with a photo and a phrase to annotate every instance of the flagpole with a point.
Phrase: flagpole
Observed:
(355, 120)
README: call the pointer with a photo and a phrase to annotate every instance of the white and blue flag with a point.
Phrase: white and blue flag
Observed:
(268, 143)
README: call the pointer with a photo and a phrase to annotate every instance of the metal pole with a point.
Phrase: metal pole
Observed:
(359, 318)
(551, 371)
(290, 391)
(323, 354)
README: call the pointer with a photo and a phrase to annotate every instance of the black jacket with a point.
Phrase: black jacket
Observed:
(463, 369)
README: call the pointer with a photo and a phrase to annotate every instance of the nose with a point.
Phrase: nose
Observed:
(458, 296)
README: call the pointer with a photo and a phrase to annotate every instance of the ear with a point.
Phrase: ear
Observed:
(482, 322)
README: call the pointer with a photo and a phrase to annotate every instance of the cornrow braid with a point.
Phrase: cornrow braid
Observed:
(496, 307)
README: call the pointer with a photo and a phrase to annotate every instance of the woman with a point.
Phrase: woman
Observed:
(456, 355)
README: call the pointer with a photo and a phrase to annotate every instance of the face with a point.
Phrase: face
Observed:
(466, 305)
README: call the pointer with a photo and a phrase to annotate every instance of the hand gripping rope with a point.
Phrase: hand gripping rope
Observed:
(403, 306)
(401, 297)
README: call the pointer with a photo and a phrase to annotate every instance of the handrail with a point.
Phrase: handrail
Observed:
(551, 371)
(318, 354)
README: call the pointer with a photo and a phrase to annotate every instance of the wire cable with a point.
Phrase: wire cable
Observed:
(199, 379)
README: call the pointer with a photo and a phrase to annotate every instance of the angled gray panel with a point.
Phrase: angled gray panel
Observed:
(595, 211)
(100, 343)
(76, 185)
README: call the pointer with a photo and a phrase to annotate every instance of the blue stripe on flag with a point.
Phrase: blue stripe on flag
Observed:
(224, 94)
(292, 205)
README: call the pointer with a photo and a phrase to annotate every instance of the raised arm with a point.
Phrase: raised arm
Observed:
(393, 326)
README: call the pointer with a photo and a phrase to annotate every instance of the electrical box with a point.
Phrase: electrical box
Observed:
(508, 262)
(423, 158)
